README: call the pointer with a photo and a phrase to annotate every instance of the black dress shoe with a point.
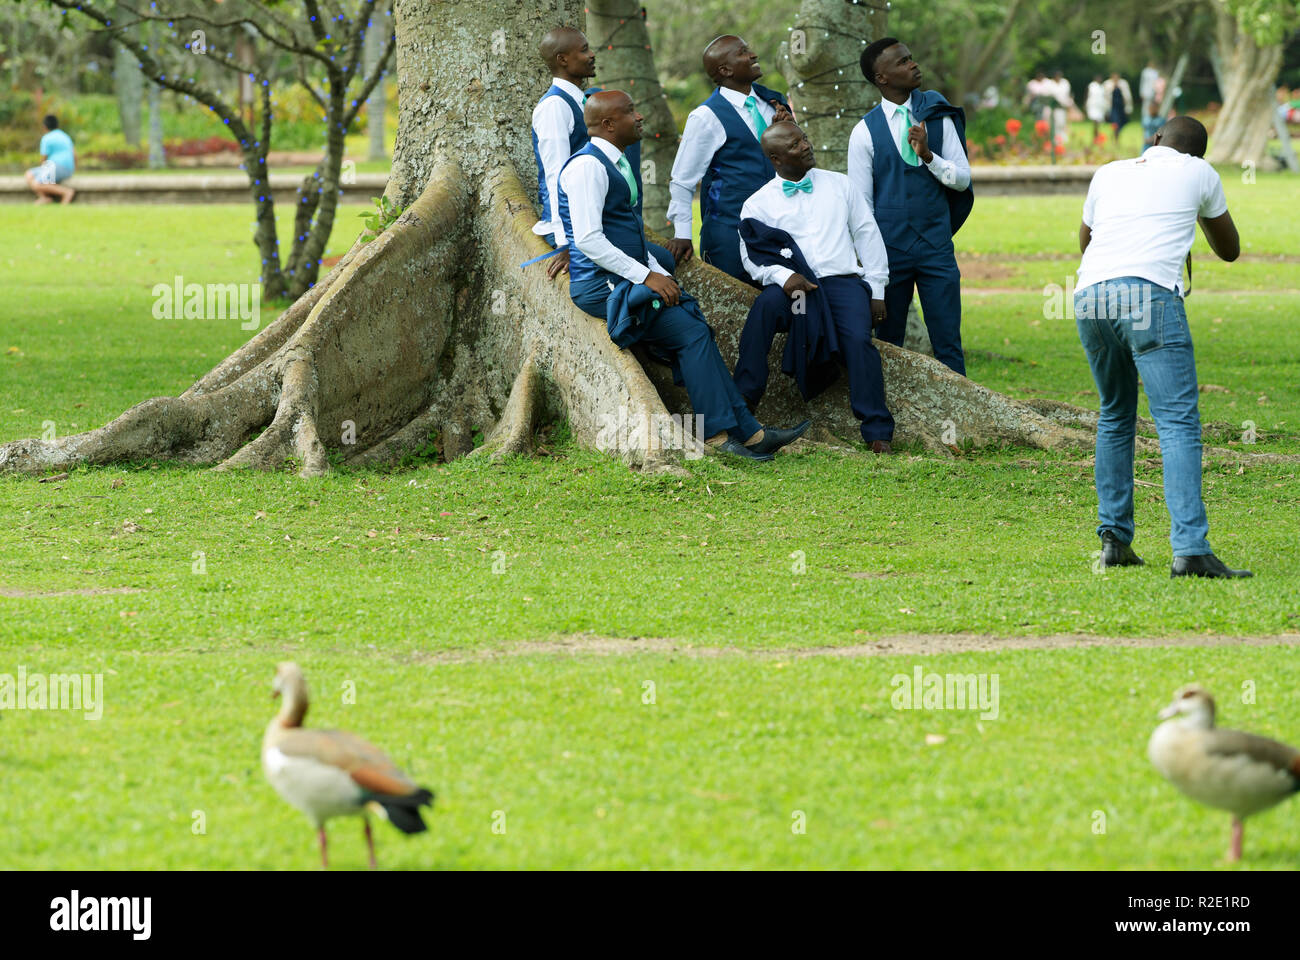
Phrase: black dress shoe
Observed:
(1206, 565)
(1117, 554)
(773, 440)
(738, 449)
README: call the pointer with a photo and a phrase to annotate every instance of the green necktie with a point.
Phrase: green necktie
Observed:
(909, 155)
(759, 123)
(625, 168)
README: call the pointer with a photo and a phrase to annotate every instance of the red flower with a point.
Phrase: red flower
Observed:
(1013, 126)
(1047, 147)
(1040, 128)
(1101, 138)
(1000, 140)
(1060, 149)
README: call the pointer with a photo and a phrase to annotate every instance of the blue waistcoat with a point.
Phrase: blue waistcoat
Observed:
(911, 205)
(578, 139)
(739, 167)
(620, 222)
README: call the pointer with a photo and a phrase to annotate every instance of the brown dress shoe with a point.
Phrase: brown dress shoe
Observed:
(881, 446)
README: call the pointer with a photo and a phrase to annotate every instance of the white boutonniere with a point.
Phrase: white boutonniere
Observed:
(787, 252)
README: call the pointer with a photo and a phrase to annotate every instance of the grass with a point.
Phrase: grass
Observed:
(384, 578)
(581, 771)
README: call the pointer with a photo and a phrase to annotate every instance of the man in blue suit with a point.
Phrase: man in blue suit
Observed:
(720, 152)
(908, 157)
(559, 132)
(612, 266)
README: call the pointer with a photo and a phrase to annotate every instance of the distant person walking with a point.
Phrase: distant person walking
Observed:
(1095, 105)
(1139, 221)
(1064, 98)
(57, 165)
(1039, 92)
(1151, 124)
(1120, 98)
(1149, 85)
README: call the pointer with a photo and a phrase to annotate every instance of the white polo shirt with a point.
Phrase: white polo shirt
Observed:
(1142, 213)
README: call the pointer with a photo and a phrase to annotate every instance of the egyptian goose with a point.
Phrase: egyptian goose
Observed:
(1227, 769)
(331, 773)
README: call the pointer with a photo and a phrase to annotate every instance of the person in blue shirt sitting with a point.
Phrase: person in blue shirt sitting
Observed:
(57, 165)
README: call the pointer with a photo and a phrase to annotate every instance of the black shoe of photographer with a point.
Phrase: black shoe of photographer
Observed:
(1117, 554)
(1206, 565)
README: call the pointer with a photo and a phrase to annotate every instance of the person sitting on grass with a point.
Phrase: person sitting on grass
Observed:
(57, 165)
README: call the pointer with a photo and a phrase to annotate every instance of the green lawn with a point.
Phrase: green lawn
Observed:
(713, 773)
(422, 585)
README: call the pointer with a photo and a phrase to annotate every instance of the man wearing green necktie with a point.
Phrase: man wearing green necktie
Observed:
(908, 158)
(720, 152)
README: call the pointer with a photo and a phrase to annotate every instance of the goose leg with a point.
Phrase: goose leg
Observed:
(370, 842)
(1234, 853)
(324, 860)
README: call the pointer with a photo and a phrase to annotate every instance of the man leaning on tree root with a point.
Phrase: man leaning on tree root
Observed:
(612, 274)
(1139, 221)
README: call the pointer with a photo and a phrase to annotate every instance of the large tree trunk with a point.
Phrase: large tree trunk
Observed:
(378, 149)
(433, 328)
(828, 92)
(624, 61)
(820, 63)
(128, 86)
(1249, 77)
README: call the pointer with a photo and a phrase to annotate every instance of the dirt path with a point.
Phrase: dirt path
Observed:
(586, 644)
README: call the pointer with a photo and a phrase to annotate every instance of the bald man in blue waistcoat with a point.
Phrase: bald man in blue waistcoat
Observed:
(720, 152)
(559, 132)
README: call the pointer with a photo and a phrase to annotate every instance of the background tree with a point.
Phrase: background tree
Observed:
(616, 29)
(128, 87)
(820, 61)
(325, 44)
(1249, 37)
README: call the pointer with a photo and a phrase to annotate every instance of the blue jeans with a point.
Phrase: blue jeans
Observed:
(1130, 327)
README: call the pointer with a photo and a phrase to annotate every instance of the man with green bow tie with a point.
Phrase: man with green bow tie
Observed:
(720, 151)
(808, 238)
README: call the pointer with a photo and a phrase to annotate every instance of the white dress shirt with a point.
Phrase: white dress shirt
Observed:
(702, 138)
(1142, 214)
(833, 227)
(949, 163)
(586, 182)
(553, 124)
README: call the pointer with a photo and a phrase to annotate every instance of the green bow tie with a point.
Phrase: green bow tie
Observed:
(759, 123)
(909, 153)
(789, 188)
(625, 168)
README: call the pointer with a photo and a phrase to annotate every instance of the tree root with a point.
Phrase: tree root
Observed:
(513, 434)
